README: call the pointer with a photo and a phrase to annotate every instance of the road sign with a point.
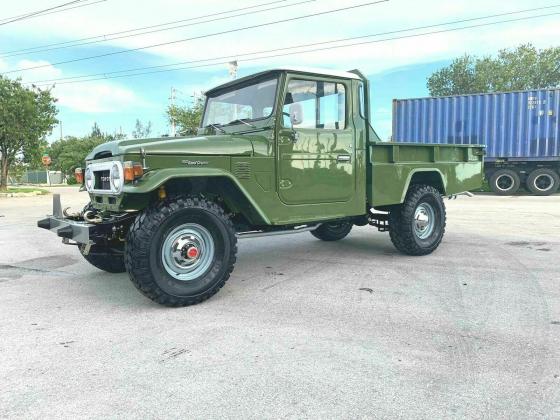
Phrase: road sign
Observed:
(46, 160)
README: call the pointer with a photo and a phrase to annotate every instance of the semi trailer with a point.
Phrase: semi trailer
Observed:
(520, 129)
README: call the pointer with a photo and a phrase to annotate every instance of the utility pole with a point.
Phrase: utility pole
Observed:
(172, 102)
(60, 129)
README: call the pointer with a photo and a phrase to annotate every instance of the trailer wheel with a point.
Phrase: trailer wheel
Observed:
(416, 227)
(333, 231)
(181, 251)
(106, 258)
(543, 181)
(505, 182)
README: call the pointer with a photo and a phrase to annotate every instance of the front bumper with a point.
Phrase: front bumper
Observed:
(68, 229)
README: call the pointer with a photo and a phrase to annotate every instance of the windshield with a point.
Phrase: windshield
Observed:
(247, 103)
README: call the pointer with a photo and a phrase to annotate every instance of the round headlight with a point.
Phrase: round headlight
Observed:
(116, 180)
(88, 179)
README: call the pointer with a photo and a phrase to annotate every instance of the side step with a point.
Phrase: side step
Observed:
(261, 233)
(380, 221)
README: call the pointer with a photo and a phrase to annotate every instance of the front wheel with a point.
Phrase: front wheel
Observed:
(108, 258)
(417, 226)
(180, 252)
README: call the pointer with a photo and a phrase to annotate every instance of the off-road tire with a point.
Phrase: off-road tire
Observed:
(109, 258)
(402, 221)
(505, 175)
(552, 177)
(146, 237)
(333, 231)
(105, 258)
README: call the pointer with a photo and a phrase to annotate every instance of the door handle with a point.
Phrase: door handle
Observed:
(343, 158)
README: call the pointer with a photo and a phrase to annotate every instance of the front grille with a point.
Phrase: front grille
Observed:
(102, 180)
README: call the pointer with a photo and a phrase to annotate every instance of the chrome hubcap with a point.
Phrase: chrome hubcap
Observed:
(543, 182)
(424, 220)
(187, 252)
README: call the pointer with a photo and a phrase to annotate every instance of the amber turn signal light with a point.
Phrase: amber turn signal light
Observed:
(132, 171)
(79, 175)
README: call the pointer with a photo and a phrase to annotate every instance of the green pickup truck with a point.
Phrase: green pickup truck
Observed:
(278, 152)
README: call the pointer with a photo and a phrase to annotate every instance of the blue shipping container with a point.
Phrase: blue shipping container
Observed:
(513, 125)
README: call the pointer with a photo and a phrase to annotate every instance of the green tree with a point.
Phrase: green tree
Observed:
(27, 115)
(141, 131)
(70, 153)
(187, 119)
(95, 130)
(524, 67)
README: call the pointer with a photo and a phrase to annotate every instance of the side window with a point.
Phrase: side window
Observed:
(312, 104)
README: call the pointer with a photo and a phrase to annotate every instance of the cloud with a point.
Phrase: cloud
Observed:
(95, 97)
(105, 18)
(90, 97)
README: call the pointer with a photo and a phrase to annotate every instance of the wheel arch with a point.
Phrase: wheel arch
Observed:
(215, 182)
(426, 176)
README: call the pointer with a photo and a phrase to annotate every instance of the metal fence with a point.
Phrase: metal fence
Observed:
(39, 177)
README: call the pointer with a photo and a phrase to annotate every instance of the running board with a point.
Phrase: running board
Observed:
(260, 233)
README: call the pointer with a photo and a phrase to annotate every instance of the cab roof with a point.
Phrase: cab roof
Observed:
(303, 70)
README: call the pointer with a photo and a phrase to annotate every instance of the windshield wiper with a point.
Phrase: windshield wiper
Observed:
(216, 127)
(241, 120)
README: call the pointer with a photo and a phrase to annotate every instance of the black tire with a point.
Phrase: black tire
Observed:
(333, 231)
(543, 181)
(109, 259)
(404, 230)
(145, 254)
(505, 182)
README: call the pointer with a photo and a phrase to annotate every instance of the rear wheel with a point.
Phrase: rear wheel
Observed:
(543, 181)
(333, 231)
(181, 251)
(504, 182)
(417, 226)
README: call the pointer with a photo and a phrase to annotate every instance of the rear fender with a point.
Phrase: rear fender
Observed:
(427, 176)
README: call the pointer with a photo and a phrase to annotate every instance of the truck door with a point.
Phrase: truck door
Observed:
(316, 161)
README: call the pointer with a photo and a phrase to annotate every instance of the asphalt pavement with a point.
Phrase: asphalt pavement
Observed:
(303, 328)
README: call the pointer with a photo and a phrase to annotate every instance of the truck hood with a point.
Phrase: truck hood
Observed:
(232, 145)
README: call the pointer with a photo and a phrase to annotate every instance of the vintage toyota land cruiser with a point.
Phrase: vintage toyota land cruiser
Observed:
(281, 151)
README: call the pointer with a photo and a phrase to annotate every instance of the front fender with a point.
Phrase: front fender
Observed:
(153, 180)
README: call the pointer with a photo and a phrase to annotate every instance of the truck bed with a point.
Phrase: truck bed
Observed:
(394, 166)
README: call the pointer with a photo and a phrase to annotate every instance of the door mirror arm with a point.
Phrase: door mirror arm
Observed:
(294, 135)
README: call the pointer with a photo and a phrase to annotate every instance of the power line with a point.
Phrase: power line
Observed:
(106, 75)
(243, 28)
(55, 9)
(119, 35)
(70, 8)
(24, 15)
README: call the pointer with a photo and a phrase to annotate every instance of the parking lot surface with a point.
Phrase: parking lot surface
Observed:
(303, 328)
